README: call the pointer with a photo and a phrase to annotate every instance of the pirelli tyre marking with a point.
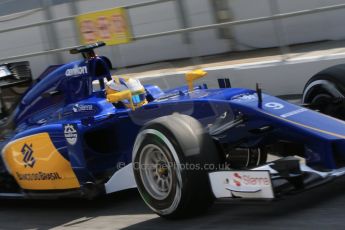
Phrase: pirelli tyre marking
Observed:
(36, 164)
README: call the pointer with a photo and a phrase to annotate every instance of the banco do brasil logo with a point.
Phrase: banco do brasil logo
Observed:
(28, 158)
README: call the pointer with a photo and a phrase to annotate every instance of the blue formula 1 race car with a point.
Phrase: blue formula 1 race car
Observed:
(78, 131)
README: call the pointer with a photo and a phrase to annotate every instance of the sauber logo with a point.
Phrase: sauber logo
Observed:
(28, 159)
(71, 134)
(76, 71)
(243, 179)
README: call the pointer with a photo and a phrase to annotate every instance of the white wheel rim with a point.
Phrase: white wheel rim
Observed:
(155, 172)
(177, 172)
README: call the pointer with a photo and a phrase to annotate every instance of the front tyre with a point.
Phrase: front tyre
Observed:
(172, 157)
(325, 92)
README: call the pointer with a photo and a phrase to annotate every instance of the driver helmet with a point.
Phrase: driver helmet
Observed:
(119, 84)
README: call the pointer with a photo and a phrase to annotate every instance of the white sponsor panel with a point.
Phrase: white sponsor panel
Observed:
(242, 184)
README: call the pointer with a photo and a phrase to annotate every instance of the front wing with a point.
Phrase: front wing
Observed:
(285, 176)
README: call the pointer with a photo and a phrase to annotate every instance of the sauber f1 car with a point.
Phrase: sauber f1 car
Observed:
(72, 135)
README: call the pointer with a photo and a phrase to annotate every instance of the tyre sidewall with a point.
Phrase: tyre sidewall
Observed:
(160, 206)
(194, 187)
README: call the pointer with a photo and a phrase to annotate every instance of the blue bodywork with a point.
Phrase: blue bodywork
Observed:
(106, 133)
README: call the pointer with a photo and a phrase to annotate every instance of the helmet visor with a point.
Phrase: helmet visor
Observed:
(139, 98)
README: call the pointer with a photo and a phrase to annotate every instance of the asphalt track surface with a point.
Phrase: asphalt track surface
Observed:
(321, 208)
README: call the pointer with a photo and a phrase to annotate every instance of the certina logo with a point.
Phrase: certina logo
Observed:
(28, 158)
(76, 71)
(71, 135)
(243, 179)
(82, 108)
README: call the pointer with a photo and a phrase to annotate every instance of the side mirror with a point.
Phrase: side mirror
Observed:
(193, 76)
(120, 96)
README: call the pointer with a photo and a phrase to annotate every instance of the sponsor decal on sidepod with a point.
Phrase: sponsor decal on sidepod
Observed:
(28, 158)
(76, 71)
(71, 134)
(82, 108)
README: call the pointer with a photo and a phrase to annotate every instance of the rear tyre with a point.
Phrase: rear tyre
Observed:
(172, 157)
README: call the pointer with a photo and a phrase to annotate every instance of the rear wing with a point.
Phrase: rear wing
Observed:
(15, 79)
(15, 74)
